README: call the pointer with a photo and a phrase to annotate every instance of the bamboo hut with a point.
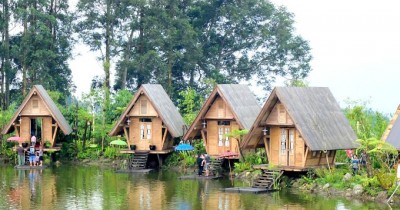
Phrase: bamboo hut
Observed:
(300, 128)
(392, 132)
(229, 107)
(38, 115)
(150, 122)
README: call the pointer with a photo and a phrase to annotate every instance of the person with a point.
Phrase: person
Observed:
(354, 164)
(363, 159)
(31, 156)
(33, 140)
(207, 164)
(21, 155)
(37, 158)
(41, 156)
(200, 162)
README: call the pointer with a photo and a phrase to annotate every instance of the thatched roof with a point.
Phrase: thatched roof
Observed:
(240, 100)
(163, 106)
(51, 106)
(392, 133)
(316, 115)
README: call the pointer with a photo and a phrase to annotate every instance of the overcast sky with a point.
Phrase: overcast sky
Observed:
(355, 47)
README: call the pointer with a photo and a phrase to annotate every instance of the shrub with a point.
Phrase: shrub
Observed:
(386, 179)
(241, 166)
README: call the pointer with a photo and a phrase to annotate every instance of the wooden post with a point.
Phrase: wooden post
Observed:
(327, 160)
(127, 137)
(320, 157)
(164, 137)
(266, 147)
(159, 160)
(305, 157)
(54, 134)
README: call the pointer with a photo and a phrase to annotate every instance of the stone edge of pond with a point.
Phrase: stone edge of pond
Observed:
(355, 193)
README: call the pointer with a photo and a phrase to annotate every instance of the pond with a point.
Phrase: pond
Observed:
(78, 187)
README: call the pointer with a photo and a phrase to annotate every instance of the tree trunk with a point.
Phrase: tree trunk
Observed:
(240, 150)
(6, 42)
(84, 135)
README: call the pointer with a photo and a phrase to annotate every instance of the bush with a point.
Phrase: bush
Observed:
(386, 179)
(241, 166)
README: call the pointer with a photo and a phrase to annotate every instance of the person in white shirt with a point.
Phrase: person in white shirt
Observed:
(33, 140)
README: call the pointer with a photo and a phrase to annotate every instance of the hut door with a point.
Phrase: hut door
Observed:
(224, 143)
(287, 144)
(283, 153)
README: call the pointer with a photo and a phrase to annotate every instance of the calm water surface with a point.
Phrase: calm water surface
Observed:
(76, 187)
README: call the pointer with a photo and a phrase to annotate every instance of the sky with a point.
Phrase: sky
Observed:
(355, 47)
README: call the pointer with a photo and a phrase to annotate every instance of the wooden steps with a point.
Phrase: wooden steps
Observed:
(138, 161)
(216, 165)
(267, 179)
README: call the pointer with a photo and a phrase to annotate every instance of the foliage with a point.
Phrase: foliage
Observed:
(227, 41)
(386, 179)
(238, 135)
(189, 105)
(241, 166)
(256, 158)
(199, 147)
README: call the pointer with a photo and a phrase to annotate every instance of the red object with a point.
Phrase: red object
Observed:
(228, 154)
(15, 138)
(349, 153)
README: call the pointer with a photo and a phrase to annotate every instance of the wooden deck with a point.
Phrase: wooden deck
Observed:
(282, 168)
(27, 167)
(200, 177)
(123, 171)
(52, 149)
(246, 190)
(128, 151)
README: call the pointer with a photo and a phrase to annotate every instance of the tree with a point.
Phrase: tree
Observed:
(238, 135)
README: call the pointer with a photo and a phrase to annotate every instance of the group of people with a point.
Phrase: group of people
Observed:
(356, 162)
(35, 155)
(203, 162)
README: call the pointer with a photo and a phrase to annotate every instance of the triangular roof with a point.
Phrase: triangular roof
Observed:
(316, 115)
(162, 104)
(392, 132)
(240, 100)
(49, 103)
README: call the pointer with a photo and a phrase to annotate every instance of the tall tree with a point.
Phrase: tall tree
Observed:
(43, 47)
(183, 43)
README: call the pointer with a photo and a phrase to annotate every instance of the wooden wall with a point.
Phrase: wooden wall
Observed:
(219, 110)
(35, 106)
(212, 147)
(139, 105)
(318, 158)
(156, 134)
(26, 128)
(279, 115)
(47, 129)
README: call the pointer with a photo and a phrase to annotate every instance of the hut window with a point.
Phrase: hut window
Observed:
(291, 141)
(35, 103)
(314, 154)
(227, 143)
(283, 141)
(143, 107)
(145, 128)
(220, 136)
(224, 122)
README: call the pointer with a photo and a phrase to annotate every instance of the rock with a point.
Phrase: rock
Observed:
(313, 187)
(358, 190)
(347, 177)
(381, 197)
(326, 186)
(85, 161)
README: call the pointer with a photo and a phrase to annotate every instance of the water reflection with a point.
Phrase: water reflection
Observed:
(70, 187)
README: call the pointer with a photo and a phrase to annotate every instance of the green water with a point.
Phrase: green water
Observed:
(76, 187)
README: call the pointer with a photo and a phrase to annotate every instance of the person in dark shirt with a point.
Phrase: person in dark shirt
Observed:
(21, 155)
(200, 163)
